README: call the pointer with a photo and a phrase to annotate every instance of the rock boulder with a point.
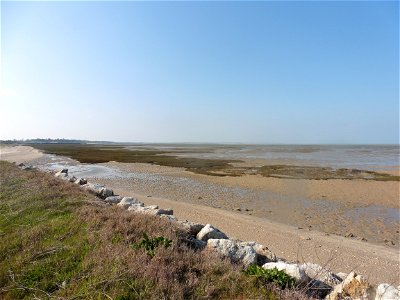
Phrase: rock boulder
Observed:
(293, 270)
(210, 232)
(113, 199)
(264, 255)
(128, 201)
(234, 250)
(191, 227)
(353, 287)
(386, 291)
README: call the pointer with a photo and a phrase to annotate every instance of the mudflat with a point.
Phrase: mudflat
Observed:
(347, 224)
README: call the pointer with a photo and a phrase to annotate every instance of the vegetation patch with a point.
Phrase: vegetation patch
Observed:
(150, 244)
(105, 153)
(89, 153)
(58, 242)
(280, 278)
(322, 173)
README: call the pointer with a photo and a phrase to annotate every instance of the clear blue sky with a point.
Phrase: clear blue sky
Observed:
(250, 72)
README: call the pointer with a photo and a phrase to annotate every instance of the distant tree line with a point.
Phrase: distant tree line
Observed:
(44, 141)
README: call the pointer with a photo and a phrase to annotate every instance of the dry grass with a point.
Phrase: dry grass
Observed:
(57, 241)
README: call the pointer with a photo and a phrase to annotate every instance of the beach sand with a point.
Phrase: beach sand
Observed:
(339, 254)
(19, 154)
(299, 220)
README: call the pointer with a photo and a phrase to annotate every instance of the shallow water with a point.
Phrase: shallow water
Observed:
(370, 157)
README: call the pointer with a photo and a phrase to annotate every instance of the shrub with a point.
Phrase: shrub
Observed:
(275, 276)
(150, 244)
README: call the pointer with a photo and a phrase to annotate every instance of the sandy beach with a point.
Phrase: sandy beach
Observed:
(299, 220)
(19, 154)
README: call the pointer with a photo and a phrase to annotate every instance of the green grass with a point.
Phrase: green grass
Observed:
(275, 276)
(57, 241)
(214, 167)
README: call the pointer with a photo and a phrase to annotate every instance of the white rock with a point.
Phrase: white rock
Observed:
(127, 201)
(61, 174)
(264, 255)
(354, 286)
(80, 181)
(319, 273)
(342, 275)
(165, 211)
(28, 168)
(293, 270)
(72, 179)
(385, 291)
(105, 192)
(191, 227)
(171, 218)
(93, 188)
(135, 207)
(150, 210)
(113, 199)
(210, 232)
(233, 250)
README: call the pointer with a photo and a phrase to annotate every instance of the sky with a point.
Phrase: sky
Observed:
(313, 72)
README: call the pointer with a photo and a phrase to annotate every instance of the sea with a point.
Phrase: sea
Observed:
(368, 157)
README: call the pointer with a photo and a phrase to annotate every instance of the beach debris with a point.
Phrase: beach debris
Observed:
(385, 291)
(293, 270)
(210, 232)
(191, 227)
(354, 286)
(234, 250)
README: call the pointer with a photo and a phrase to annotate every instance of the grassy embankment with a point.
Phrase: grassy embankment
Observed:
(57, 241)
(214, 167)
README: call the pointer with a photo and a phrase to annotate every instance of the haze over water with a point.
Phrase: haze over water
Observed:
(371, 157)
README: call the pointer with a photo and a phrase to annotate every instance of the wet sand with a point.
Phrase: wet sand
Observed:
(360, 209)
(298, 219)
(339, 254)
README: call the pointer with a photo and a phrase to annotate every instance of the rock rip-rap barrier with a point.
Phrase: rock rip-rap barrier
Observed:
(207, 237)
